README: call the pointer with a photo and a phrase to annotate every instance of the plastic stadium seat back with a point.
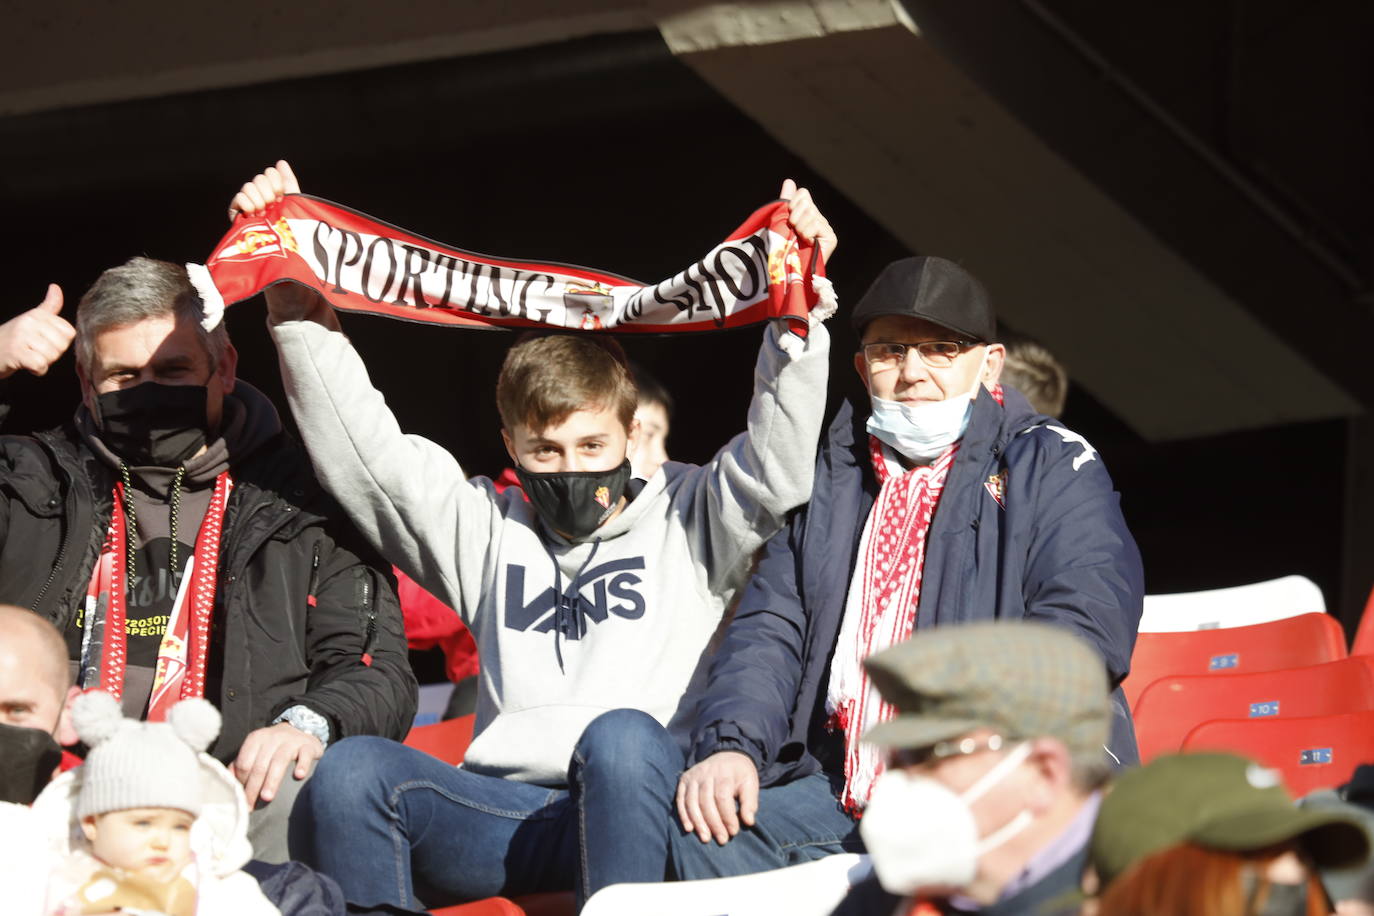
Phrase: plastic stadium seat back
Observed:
(1308, 639)
(558, 904)
(446, 740)
(1238, 606)
(492, 906)
(1314, 752)
(810, 889)
(1364, 636)
(1172, 706)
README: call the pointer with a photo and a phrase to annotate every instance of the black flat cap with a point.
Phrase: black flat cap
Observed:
(931, 288)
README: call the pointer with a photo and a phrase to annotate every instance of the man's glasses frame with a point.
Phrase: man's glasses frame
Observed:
(937, 354)
(943, 750)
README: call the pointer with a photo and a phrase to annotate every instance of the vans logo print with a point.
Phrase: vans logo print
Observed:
(614, 590)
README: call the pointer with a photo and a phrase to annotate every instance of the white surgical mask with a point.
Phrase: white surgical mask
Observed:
(921, 835)
(921, 431)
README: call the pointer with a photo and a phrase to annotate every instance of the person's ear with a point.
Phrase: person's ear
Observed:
(861, 367)
(89, 828)
(992, 368)
(1050, 764)
(227, 370)
(510, 446)
(632, 437)
(65, 734)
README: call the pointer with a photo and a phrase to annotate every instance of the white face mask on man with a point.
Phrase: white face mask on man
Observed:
(921, 431)
(920, 834)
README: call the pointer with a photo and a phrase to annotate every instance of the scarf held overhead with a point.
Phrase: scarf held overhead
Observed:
(361, 264)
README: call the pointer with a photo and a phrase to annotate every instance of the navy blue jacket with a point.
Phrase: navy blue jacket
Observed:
(1059, 552)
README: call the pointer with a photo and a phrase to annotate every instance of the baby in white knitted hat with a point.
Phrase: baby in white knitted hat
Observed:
(141, 792)
(149, 824)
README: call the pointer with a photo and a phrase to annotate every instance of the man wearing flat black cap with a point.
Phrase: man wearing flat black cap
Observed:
(943, 500)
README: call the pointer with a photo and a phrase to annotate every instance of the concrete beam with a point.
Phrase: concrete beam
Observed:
(67, 53)
(855, 89)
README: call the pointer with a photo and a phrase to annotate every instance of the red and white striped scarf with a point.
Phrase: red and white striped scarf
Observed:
(359, 263)
(880, 610)
(185, 645)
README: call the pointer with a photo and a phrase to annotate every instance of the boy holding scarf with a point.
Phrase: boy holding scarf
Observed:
(592, 604)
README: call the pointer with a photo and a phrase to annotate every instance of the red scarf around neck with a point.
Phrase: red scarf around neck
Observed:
(185, 646)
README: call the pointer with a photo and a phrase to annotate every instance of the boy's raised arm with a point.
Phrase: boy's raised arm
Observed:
(742, 496)
(407, 495)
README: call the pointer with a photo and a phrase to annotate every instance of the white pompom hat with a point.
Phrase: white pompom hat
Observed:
(136, 764)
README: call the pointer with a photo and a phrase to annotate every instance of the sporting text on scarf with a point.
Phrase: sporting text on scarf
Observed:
(360, 263)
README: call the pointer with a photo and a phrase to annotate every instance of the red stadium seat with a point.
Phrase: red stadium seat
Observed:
(1308, 639)
(1172, 706)
(492, 906)
(559, 904)
(446, 740)
(1315, 752)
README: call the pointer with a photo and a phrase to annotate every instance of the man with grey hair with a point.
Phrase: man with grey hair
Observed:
(177, 538)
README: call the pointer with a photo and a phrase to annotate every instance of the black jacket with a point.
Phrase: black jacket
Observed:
(1055, 548)
(301, 599)
(1053, 895)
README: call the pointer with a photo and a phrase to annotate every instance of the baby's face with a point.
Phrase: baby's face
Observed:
(154, 842)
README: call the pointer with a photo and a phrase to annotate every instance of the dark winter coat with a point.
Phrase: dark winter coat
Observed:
(1055, 549)
(301, 601)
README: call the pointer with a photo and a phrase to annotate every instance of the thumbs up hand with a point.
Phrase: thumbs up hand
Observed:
(35, 339)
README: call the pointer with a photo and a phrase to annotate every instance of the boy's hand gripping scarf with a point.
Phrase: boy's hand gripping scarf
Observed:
(361, 264)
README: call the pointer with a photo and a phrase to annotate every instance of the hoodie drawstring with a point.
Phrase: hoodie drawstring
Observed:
(567, 611)
(130, 530)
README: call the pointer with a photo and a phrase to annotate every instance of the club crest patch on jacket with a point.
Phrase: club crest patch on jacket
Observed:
(996, 485)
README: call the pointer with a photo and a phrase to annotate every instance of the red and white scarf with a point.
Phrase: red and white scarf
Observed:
(362, 264)
(880, 610)
(185, 646)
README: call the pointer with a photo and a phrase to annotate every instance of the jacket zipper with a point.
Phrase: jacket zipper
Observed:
(57, 564)
(370, 634)
(310, 599)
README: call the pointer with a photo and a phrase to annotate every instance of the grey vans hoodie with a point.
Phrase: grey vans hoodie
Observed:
(641, 596)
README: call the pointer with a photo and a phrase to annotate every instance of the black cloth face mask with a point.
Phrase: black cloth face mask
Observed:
(575, 503)
(153, 424)
(28, 757)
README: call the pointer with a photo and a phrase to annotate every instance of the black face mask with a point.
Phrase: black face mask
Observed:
(27, 758)
(154, 424)
(575, 503)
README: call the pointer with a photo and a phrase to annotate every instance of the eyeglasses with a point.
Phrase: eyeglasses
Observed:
(923, 756)
(937, 354)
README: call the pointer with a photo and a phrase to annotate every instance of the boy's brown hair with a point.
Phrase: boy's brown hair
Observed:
(546, 378)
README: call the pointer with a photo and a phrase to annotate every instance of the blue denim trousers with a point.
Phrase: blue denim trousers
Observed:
(796, 822)
(393, 825)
